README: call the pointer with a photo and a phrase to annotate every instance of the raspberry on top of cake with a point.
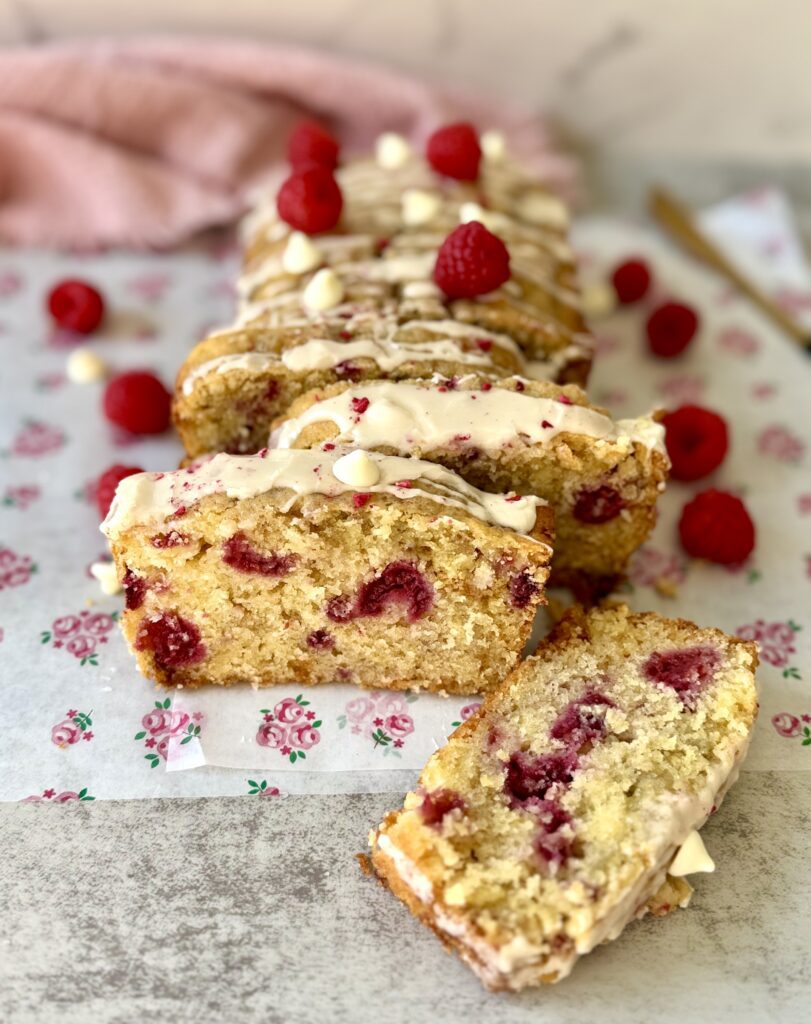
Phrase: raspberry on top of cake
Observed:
(326, 565)
(552, 817)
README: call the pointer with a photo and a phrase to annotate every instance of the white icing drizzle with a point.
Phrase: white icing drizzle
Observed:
(147, 498)
(411, 417)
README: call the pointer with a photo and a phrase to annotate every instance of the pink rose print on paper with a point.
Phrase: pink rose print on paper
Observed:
(86, 493)
(58, 798)
(763, 390)
(791, 726)
(35, 438)
(737, 341)
(606, 344)
(10, 283)
(681, 388)
(150, 287)
(74, 727)
(80, 635)
(21, 497)
(781, 444)
(262, 788)
(50, 381)
(223, 289)
(804, 504)
(793, 300)
(775, 641)
(161, 723)
(382, 717)
(466, 712)
(652, 567)
(290, 727)
(15, 570)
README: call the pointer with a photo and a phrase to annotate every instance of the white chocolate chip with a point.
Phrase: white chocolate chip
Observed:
(494, 145)
(419, 207)
(541, 208)
(300, 255)
(357, 470)
(392, 150)
(324, 291)
(473, 211)
(599, 300)
(691, 858)
(106, 574)
(85, 366)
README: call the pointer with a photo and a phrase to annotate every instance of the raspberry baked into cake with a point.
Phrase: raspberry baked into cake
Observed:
(390, 269)
(313, 567)
(601, 476)
(551, 818)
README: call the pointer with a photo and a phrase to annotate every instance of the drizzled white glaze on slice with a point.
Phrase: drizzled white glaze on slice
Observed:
(407, 416)
(152, 498)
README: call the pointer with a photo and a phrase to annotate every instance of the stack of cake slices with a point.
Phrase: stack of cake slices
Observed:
(389, 455)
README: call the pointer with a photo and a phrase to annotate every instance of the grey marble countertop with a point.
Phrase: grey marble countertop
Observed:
(232, 910)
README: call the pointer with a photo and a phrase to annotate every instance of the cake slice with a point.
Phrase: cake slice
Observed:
(383, 250)
(237, 381)
(312, 567)
(601, 476)
(550, 819)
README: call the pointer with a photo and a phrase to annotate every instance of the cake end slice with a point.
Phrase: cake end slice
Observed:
(549, 820)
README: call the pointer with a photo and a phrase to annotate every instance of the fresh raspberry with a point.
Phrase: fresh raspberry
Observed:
(670, 329)
(309, 144)
(471, 261)
(173, 640)
(107, 483)
(455, 152)
(76, 306)
(716, 526)
(242, 556)
(696, 440)
(310, 200)
(631, 281)
(138, 402)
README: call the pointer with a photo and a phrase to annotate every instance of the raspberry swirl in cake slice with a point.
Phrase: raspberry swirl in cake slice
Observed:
(316, 566)
(552, 816)
(601, 476)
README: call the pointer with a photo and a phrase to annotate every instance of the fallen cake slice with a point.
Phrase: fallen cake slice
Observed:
(237, 381)
(601, 476)
(313, 566)
(550, 819)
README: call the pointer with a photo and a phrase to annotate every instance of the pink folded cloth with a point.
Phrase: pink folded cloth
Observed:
(145, 142)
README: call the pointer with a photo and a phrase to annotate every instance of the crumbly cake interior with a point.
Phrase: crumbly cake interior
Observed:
(359, 587)
(550, 817)
(603, 489)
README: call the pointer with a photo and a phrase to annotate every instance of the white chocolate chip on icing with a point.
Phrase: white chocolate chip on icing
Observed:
(106, 574)
(85, 366)
(419, 207)
(357, 470)
(300, 255)
(599, 299)
(392, 150)
(691, 858)
(324, 291)
(493, 144)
